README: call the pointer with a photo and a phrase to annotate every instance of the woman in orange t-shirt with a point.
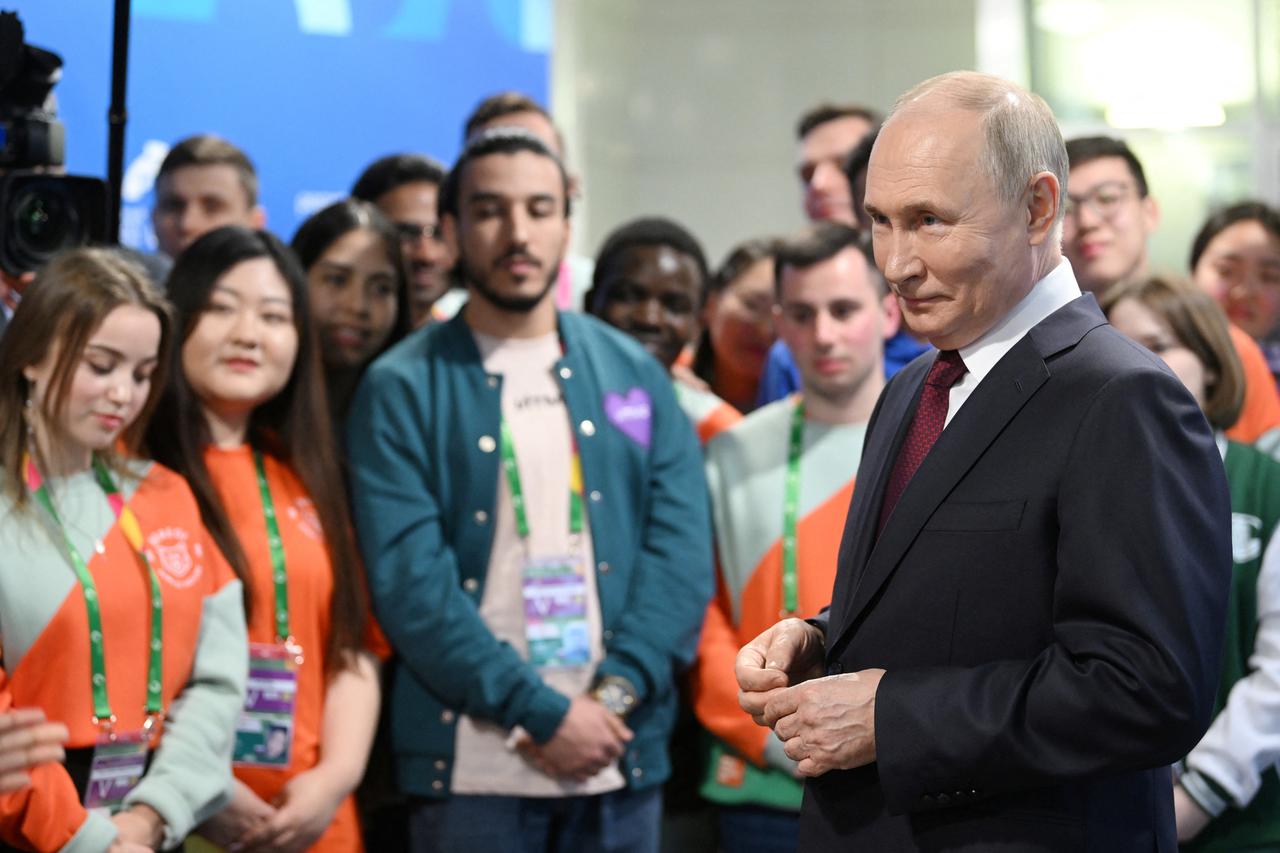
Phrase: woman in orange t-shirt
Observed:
(246, 421)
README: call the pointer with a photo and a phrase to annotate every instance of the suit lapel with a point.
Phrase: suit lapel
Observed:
(898, 405)
(997, 399)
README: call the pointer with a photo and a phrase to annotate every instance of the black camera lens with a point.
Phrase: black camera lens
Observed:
(44, 221)
(43, 214)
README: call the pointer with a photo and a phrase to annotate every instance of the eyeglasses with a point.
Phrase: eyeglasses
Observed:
(412, 232)
(1104, 200)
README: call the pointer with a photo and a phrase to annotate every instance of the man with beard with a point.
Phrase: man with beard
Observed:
(405, 188)
(533, 513)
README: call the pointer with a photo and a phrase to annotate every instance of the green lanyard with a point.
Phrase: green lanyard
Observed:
(512, 470)
(790, 505)
(97, 657)
(276, 544)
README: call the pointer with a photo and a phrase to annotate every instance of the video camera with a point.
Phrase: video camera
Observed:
(41, 211)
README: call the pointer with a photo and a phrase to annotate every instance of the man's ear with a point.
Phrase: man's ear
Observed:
(1042, 207)
(1150, 214)
(258, 217)
(449, 233)
(892, 314)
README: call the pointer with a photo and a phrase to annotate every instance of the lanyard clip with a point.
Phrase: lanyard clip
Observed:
(294, 648)
(107, 726)
(151, 727)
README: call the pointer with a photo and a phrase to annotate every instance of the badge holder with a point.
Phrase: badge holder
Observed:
(264, 732)
(555, 612)
(119, 762)
(554, 587)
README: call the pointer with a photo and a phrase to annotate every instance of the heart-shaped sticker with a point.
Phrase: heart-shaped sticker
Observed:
(632, 413)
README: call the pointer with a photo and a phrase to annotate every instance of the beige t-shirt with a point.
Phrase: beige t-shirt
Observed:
(486, 761)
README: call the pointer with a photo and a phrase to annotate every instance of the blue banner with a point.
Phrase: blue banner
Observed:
(312, 90)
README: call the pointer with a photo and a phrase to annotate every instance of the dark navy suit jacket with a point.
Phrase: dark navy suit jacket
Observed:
(1047, 599)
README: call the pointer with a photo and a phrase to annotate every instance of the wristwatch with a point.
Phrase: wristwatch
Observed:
(616, 694)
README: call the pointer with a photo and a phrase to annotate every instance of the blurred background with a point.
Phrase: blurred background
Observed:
(678, 107)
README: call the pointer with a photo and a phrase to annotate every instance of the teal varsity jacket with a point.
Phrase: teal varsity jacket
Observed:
(421, 435)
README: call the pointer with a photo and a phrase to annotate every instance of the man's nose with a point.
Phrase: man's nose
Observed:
(901, 263)
(649, 312)
(518, 227)
(191, 222)
(826, 176)
(824, 329)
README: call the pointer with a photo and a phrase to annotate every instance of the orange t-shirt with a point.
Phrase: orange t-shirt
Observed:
(310, 594)
(1261, 410)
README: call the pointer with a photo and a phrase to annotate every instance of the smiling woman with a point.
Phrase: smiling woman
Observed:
(245, 419)
(358, 289)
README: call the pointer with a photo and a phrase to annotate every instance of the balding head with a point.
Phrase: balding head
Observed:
(965, 218)
(1021, 134)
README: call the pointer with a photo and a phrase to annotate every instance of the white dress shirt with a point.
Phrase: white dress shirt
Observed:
(1046, 296)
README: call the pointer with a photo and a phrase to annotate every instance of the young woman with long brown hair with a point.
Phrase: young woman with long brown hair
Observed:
(120, 618)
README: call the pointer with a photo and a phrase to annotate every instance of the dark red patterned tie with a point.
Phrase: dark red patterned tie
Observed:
(925, 427)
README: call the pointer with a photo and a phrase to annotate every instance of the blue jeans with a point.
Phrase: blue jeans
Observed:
(756, 829)
(619, 822)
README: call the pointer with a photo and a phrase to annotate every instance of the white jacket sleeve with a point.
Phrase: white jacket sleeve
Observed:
(190, 776)
(1244, 739)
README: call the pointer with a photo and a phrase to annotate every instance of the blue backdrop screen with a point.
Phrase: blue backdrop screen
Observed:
(312, 90)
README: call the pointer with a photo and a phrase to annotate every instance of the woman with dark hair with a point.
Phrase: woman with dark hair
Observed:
(737, 324)
(358, 289)
(245, 418)
(1228, 794)
(121, 621)
(1236, 259)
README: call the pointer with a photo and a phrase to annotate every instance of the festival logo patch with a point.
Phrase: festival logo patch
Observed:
(174, 557)
(303, 513)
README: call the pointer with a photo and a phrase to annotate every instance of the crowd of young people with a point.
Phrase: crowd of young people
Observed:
(389, 481)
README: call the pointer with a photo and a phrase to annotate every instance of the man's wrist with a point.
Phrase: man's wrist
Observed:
(616, 694)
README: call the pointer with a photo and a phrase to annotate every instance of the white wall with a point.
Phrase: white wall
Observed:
(687, 108)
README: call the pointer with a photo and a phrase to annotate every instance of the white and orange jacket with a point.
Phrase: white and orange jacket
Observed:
(46, 651)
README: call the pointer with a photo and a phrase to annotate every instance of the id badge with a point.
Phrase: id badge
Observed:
(555, 612)
(264, 733)
(119, 760)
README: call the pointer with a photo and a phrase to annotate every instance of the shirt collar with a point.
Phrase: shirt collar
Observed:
(1047, 295)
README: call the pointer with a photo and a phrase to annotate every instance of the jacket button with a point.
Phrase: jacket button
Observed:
(486, 444)
(566, 373)
(481, 516)
(636, 772)
(471, 584)
(835, 668)
(492, 382)
(437, 785)
(440, 764)
(595, 496)
(446, 716)
(602, 567)
(588, 428)
(608, 635)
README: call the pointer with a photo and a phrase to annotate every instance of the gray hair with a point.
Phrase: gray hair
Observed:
(1021, 132)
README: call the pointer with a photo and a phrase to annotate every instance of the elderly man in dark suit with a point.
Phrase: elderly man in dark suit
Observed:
(1028, 614)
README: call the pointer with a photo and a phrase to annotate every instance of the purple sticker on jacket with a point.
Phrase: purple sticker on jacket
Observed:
(632, 413)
